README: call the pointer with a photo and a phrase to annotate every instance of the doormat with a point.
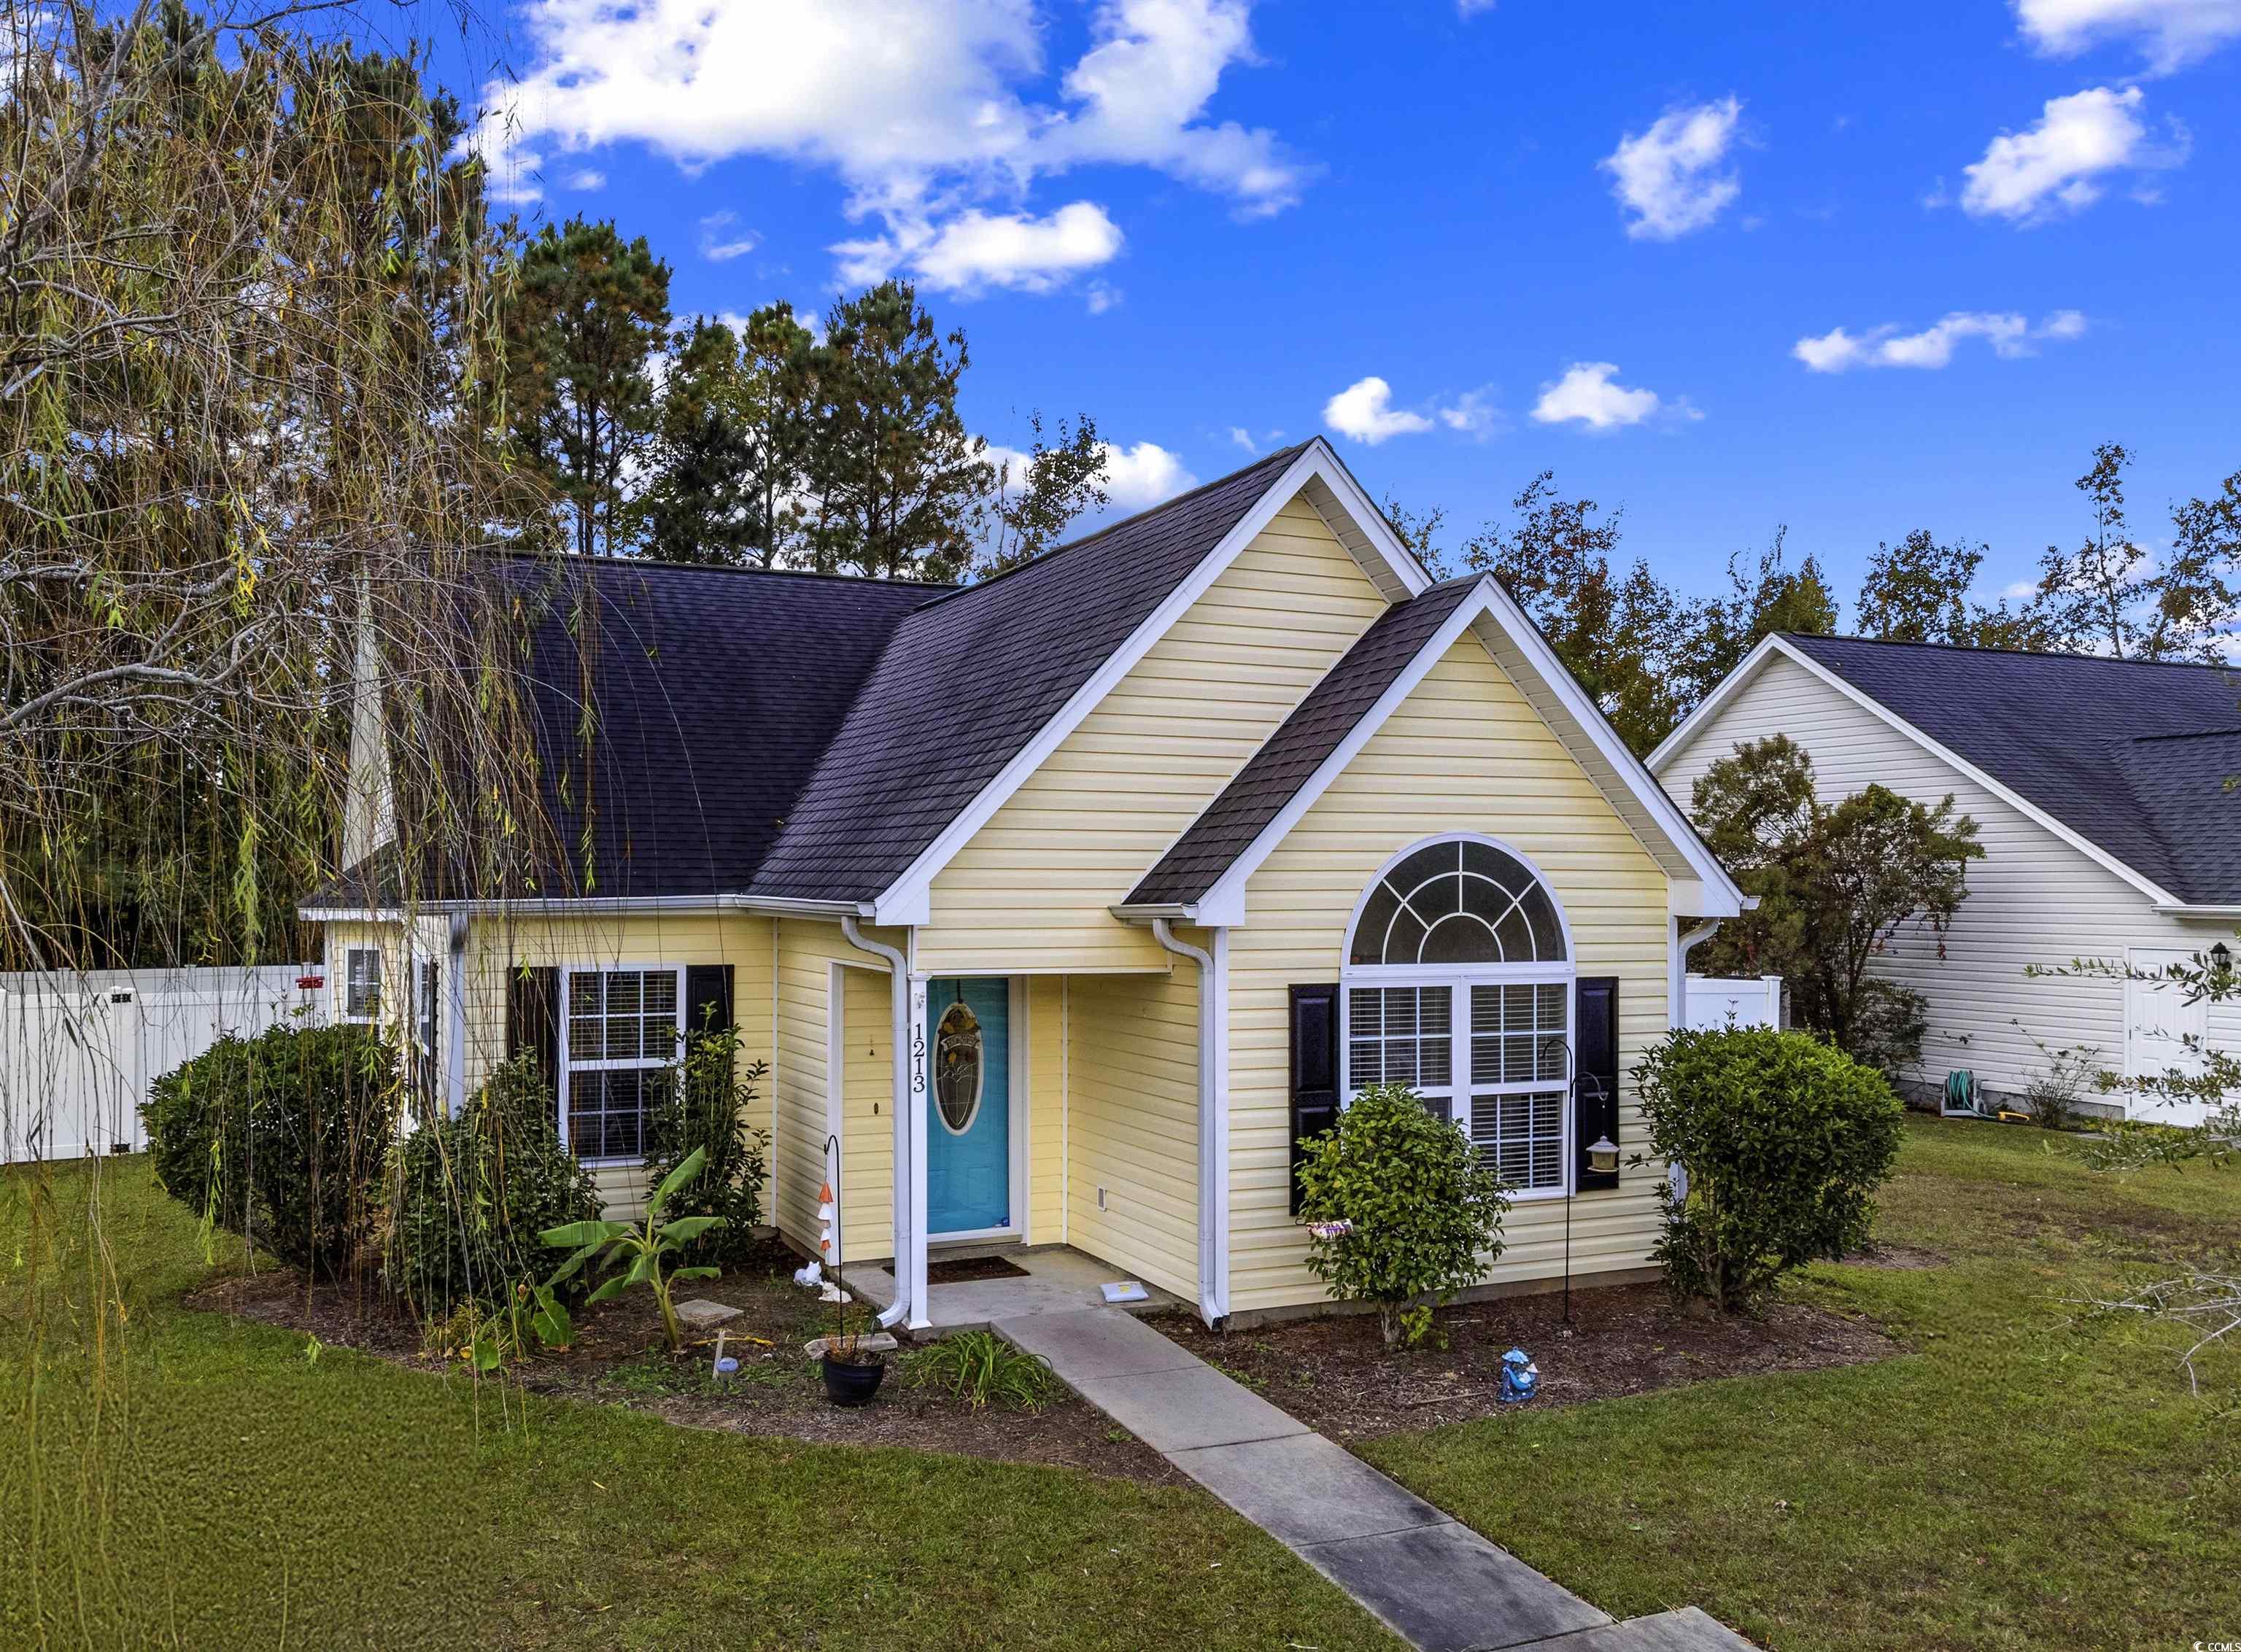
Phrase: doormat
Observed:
(967, 1268)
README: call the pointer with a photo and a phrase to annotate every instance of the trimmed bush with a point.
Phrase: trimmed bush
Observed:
(706, 1105)
(474, 1191)
(283, 1138)
(1399, 1209)
(1783, 1141)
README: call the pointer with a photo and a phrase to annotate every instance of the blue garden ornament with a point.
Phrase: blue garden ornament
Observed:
(1521, 1378)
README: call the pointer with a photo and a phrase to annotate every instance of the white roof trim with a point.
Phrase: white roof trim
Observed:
(1693, 724)
(907, 901)
(1224, 903)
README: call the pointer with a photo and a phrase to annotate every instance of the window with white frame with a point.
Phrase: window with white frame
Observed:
(425, 1019)
(621, 1028)
(362, 984)
(1459, 985)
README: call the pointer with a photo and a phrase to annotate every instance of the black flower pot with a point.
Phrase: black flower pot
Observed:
(850, 1384)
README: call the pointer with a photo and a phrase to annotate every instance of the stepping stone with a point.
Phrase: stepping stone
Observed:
(875, 1342)
(702, 1315)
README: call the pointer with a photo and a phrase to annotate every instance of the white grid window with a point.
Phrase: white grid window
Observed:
(425, 1021)
(362, 984)
(623, 1028)
(1459, 980)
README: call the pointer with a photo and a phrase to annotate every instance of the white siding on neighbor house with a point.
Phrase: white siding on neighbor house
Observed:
(2033, 899)
(1030, 892)
(1464, 752)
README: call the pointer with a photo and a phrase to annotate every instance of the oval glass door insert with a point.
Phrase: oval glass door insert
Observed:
(958, 1067)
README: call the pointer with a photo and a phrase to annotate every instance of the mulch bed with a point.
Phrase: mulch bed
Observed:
(618, 1359)
(1335, 1374)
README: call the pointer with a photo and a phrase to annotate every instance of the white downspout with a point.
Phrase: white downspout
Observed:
(455, 1013)
(910, 1247)
(1677, 953)
(1212, 1116)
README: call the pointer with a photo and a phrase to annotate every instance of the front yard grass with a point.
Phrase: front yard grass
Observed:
(2013, 1480)
(220, 1486)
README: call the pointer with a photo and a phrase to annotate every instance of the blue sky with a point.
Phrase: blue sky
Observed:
(1855, 269)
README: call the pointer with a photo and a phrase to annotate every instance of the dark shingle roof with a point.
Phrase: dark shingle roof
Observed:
(1316, 728)
(2088, 740)
(967, 679)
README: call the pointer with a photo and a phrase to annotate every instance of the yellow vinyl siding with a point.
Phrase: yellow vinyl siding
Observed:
(1133, 1125)
(806, 953)
(1048, 997)
(497, 946)
(1464, 752)
(1030, 892)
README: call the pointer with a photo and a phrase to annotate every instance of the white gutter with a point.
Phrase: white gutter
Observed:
(455, 1043)
(1212, 1116)
(1676, 983)
(2177, 909)
(598, 905)
(907, 1193)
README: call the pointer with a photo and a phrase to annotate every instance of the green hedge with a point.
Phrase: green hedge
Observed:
(474, 1191)
(283, 1137)
(1783, 1140)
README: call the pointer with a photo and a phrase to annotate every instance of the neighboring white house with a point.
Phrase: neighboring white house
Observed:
(2099, 789)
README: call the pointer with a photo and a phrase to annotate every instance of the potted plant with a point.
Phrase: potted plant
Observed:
(851, 1367)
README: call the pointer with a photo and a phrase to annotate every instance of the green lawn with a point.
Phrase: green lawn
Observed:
(2014, 1481)
(218, 1490)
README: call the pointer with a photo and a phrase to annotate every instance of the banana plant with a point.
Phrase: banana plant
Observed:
(641, 1252)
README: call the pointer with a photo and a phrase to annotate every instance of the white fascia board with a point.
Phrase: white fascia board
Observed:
(1687, 729)
(349, 915)
(1364, 515)
(2216, 912)
(1953, 760)
(600, 906)
(1224, 903)
(906, 900)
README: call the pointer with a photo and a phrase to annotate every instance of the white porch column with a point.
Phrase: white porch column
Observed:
(1213, 1116)
(910, 1178)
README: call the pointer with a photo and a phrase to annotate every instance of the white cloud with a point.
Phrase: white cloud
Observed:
(974, 250)
(1364, 412)
(722, 239)
(2057, 166)
(1098, 298)
(1668, 177)
(1140, 477)
(586, 177)
(2010, 335)
(1586, 395)
(2171, 32)
(923, 108)
(1243, 438)
(1473, 413)
(1473, 7)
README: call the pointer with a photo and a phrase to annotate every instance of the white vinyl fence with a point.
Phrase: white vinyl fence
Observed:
(1714, 1003)
(77, 1052)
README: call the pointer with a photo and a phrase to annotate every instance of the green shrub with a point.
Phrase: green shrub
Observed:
(704, 1107)
(977, 1367)
(1399, 1208)
(283, 1138)
(475, 1191)
(1783, 1141)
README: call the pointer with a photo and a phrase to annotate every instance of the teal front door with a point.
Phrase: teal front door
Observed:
(968, 1127)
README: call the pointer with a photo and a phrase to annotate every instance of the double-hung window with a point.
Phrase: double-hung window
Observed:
(1458, 984)
(426, 1017)
(362, 984)
(620, 1028)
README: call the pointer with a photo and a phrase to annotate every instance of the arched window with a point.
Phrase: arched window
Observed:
(1458, 982)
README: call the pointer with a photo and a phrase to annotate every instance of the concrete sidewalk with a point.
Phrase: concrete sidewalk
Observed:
(1432, 1579)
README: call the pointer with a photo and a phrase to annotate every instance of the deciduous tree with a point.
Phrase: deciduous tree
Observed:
(1054, 483)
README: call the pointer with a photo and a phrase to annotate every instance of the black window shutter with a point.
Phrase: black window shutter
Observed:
(532, 1019)
(708, 997)
(1314, 1069)
(1594, 1088)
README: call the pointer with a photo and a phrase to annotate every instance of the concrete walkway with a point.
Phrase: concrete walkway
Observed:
(1432, 1579)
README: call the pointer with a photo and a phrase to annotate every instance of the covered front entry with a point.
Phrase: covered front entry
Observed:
(970, 1158)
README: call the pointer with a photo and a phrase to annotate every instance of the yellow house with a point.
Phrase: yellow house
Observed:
(1060, 906)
